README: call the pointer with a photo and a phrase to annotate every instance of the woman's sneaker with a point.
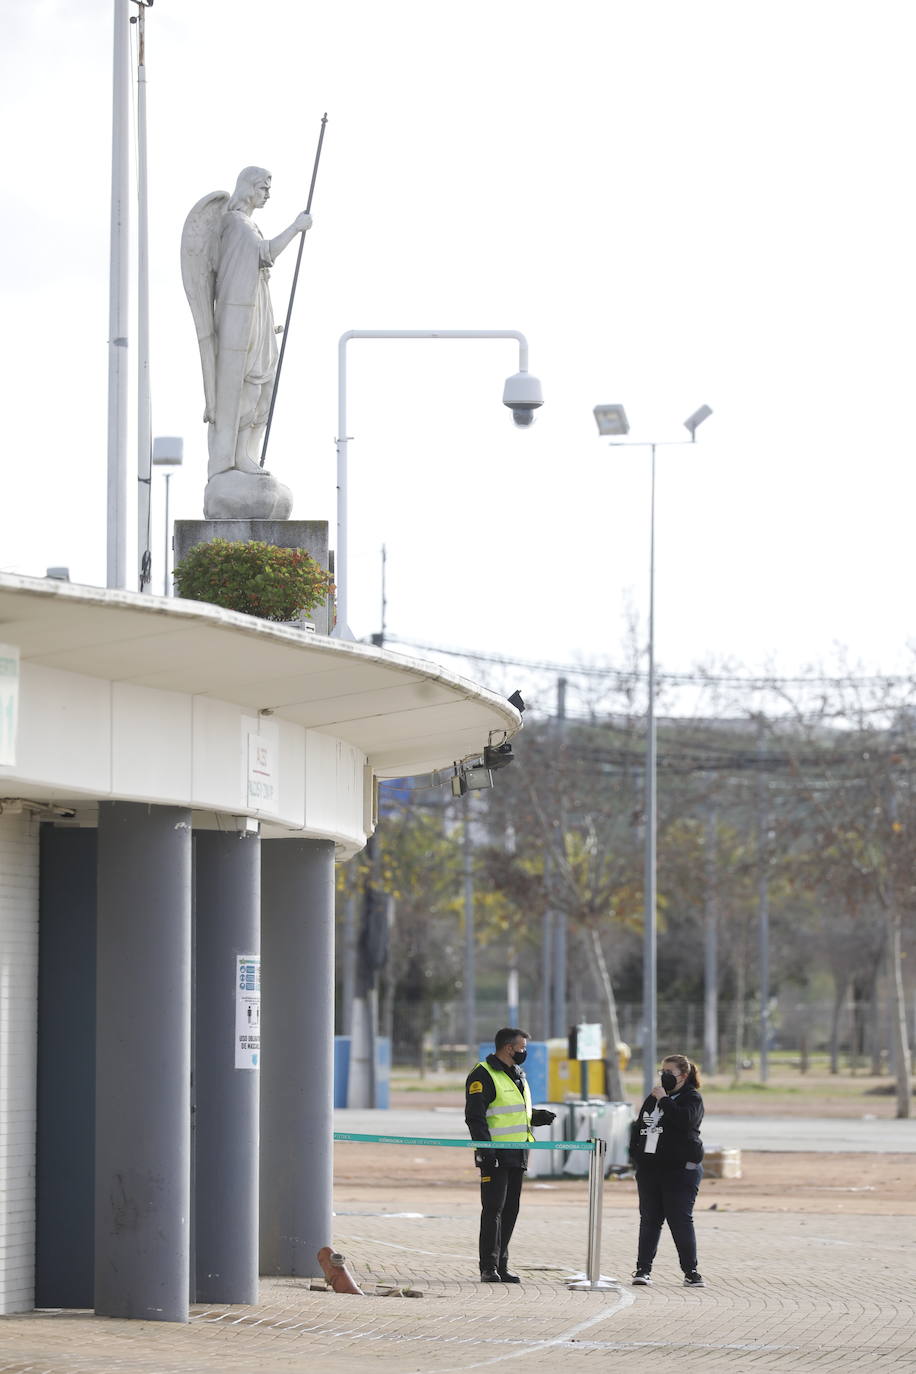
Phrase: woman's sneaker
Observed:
(694, 1280)
(642, 1278)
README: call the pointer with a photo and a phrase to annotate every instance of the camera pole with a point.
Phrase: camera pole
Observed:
(292, 295)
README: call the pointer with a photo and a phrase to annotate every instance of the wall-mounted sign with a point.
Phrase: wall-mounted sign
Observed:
(9, 702)
(248, 1011)
(262, 773)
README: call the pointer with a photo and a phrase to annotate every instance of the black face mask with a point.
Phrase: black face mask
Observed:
(519, 1056)
(669, 1080)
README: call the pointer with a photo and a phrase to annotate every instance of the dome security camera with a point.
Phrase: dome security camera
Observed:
(522, 394)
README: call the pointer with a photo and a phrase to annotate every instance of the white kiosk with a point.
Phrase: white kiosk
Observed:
(176, 782)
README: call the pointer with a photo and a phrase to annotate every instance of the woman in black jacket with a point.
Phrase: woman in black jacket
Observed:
(666, 1148)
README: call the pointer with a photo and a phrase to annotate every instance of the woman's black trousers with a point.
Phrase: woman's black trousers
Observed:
(667, 1193)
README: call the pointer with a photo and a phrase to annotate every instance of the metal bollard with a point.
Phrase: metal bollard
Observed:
(593, 1276)
(595, 1200)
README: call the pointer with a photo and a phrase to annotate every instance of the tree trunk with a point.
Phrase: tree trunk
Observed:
(898, 1018)
(388, 981)
(874, 1024)
(614, 1076)
(710, 951)
(739, 1019)
(839, 996)
(859, 1008)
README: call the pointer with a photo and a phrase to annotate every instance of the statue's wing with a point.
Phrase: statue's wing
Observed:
(199, 247)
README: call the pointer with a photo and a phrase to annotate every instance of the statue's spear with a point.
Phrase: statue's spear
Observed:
(292, 296)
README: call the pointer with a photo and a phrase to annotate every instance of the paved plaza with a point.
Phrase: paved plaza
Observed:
(789, 1290)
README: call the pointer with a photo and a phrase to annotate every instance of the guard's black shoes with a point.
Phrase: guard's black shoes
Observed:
(506, 1277)
(489, 1276)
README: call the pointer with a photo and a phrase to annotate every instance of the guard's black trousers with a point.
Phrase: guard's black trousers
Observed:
(500, 1192)
(667, 1194)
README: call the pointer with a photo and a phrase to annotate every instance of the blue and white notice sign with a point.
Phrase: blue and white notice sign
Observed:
(9, 702)
(248, 1011)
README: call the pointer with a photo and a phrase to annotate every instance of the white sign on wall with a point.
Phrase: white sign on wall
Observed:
(9, 702)
(262, 773)
(248, 1011)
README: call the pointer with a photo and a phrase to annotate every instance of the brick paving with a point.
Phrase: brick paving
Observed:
(786, 1293)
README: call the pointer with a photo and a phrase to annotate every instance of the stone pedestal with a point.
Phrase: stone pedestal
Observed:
(310, 535)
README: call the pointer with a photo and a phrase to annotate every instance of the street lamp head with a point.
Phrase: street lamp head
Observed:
(696, 419)
(168, 451)
(612, 420)
(522, 394)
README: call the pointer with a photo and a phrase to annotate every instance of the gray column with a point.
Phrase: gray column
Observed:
(143, 1047)
(65, 1166)
(227, 910)
(297, 1123)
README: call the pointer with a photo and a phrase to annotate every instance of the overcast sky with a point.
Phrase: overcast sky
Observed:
(677, 203)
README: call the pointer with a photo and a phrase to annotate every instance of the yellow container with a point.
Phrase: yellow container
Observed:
(564, 1075)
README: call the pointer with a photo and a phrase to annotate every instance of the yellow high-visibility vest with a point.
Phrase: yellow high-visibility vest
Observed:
(507, 1117)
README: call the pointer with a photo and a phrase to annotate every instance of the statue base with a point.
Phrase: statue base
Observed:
(235, 495)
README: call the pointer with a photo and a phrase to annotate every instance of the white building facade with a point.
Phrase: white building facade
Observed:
(180, 783)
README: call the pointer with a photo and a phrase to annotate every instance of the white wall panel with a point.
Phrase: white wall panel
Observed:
(18, 1058)
(86, 737)
(219, 759)
(64, 729)
(351, 764)
(320, 782)
(291, 762)
(333, 785)
(151, 743)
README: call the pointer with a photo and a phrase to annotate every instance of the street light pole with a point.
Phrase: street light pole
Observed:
(522, 395)
(612, 420)
(650, 915)
(116, 548)
(168, 452)
(168, 540)
(470, 937)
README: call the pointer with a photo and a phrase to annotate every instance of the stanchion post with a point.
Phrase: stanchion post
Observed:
(597, 1148)
(595, 1202)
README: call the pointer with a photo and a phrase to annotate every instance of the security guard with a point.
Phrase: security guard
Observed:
(497, 1106)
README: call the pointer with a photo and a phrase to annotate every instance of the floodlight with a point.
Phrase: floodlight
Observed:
(696, 419)
(612, 420)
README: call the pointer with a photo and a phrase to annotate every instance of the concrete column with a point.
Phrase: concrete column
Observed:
(227, 911)
(18, 1039)
(65, 1223)
(143, 1056)
(297, 1123)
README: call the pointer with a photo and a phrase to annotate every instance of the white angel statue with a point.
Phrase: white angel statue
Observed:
(225, 267)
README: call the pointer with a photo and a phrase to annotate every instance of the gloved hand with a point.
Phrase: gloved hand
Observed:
(542, 1117)
(486, 1159)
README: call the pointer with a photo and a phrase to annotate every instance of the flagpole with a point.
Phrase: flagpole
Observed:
(116, 542)
(144, 420)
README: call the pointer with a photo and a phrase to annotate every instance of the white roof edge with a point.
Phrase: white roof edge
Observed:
(172, 609)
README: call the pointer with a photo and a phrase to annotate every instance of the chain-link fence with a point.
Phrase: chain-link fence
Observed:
(854, 1036)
